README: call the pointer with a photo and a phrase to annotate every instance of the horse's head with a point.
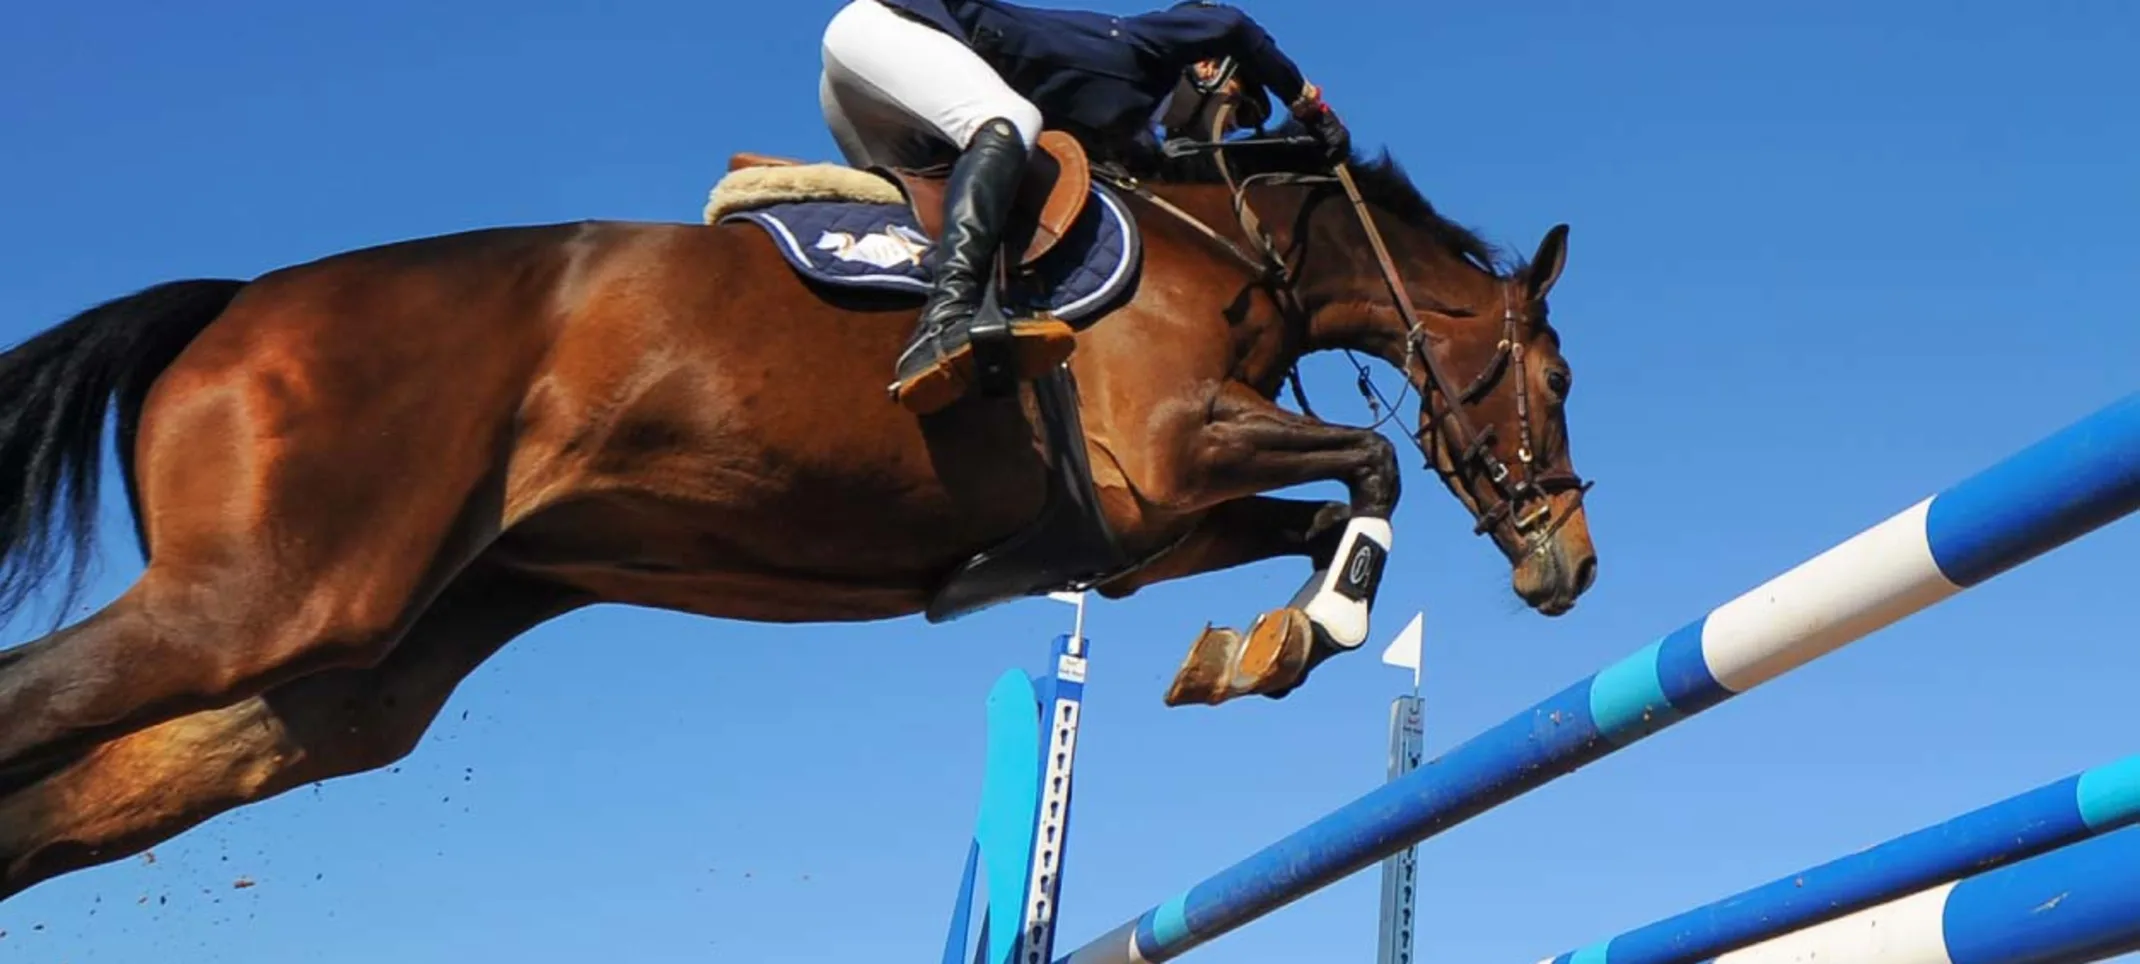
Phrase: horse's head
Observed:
(1501, 444)
(1470, 335)
(1475, 344)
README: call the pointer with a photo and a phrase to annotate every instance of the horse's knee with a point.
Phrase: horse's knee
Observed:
(1325, 532)
(1379, 479)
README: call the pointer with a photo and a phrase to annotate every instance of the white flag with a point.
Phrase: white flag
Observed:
(1404, 651)
(1077, 627)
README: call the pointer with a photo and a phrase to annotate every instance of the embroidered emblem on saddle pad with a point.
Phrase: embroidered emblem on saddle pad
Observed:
(849, 228)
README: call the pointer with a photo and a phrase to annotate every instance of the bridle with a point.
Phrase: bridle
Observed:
(1469, 449)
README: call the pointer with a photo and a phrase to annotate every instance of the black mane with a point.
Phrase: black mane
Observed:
(1382, 182)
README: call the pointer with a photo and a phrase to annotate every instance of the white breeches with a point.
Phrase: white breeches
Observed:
(896, 92)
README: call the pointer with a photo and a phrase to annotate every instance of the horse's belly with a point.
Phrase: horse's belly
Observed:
(778, 547)
(754, 445)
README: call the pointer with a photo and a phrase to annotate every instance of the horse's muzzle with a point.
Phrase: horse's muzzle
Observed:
(1558, 569)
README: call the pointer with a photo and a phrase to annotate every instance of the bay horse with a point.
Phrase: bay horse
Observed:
(355, 479)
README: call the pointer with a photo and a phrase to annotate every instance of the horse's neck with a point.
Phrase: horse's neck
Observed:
(1264, 340)
(1335, 266)
(1434, 281)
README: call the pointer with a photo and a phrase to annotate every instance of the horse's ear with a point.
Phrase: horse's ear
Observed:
(1546, 265)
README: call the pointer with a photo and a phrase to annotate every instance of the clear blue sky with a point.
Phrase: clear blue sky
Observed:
(1828, 257)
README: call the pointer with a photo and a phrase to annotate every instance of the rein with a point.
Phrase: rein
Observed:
(1469, 448)
(1476, 444)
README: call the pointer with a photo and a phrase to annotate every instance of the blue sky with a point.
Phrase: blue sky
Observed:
(1828, 257)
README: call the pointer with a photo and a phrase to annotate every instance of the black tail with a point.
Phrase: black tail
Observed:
(55, 391)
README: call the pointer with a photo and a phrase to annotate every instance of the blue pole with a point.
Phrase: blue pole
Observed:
(2075, 481)
(2068, 906)
(2076, 808)
(2081, 903)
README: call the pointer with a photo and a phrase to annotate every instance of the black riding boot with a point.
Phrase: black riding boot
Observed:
(937, 367)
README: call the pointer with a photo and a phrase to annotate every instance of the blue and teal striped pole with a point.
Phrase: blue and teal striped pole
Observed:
(2069, 906)
(2077, 808)
(2080, 479)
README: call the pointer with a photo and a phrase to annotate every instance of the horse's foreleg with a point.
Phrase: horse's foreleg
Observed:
(127, 795)
(1247, 444)
(1241, 532)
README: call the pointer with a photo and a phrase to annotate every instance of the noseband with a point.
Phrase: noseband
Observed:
(1470, 449)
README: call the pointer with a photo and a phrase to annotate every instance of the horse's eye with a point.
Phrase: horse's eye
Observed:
(1558, 382)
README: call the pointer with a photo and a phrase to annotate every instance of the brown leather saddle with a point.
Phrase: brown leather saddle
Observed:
(1057, 186)
(1069, 546)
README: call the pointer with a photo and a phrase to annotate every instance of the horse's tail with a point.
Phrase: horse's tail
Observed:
(55, 391)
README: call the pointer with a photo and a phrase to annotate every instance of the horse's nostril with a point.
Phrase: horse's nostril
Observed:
(1586, 574)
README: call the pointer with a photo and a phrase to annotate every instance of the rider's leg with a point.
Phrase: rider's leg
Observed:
(908, 90)
(847, 131)
(934, 370)
(887, 79)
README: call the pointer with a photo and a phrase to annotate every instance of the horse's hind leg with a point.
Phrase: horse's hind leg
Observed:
(134, 792)
(1244, 531)
(191, 636)
(299, 516)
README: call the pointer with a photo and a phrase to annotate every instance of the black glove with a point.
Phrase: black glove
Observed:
(1324, 124)
(1321, 121)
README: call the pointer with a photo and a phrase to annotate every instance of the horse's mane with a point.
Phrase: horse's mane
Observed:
(1382, 182)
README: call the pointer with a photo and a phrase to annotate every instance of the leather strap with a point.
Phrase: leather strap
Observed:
(1415, 333)
(1469, 448)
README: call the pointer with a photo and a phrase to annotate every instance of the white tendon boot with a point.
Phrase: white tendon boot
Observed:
(1343, 594)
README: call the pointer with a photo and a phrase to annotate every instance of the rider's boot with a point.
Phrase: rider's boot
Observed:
(937, 368)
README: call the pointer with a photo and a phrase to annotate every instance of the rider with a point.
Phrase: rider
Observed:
(907, 81)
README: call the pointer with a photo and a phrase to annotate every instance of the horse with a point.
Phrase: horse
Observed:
(354, 479)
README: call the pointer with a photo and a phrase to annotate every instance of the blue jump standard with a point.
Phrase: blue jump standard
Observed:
(2071, 483)
(1024, 822)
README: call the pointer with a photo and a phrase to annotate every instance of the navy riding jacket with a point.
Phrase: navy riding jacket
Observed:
(1103, 73)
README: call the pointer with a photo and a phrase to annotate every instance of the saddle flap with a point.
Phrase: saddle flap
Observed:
(1068, 546)
(1057, 185)
(1056, 188)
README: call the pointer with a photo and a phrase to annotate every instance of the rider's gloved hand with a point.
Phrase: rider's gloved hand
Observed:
(1316, 115)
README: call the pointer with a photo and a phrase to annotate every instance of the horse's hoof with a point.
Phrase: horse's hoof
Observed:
(1206, 674)
(1277, 652)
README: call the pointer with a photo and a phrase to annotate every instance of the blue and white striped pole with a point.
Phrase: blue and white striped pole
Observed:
(2069, 906)
(2079, 807)
(2069, 484)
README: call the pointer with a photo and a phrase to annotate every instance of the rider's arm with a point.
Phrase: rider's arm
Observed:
(1192, 32)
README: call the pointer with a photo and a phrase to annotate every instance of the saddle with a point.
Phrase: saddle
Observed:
(1056, 188)
(1069, 545)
